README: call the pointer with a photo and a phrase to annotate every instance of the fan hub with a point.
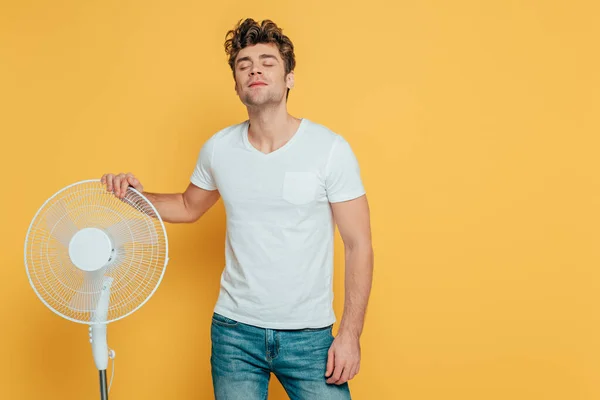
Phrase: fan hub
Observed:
(90, 249)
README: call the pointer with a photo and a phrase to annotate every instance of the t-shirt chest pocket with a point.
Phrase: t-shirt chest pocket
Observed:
(300, 187)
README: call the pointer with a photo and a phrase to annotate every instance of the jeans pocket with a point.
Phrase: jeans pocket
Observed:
(224, 321)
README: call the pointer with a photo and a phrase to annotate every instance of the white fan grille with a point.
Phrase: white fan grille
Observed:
(137, 264)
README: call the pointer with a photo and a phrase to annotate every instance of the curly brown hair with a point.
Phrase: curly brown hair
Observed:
(249, 32)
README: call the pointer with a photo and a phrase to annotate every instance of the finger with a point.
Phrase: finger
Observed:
(133, 182)
(330, 360)
(117, 184)
(337, 373)
(109, 182)
(345, 376)
(124, 185)
(353, 372)
(103, 179)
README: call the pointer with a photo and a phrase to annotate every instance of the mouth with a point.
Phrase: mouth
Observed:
(258, 84)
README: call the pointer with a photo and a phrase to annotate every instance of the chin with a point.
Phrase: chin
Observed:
(259, 101)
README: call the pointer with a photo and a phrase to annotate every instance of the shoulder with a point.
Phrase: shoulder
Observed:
(331, 143)
(224, 136)
(208, 148)
(318, 131)
(228, 132)
(322, 135)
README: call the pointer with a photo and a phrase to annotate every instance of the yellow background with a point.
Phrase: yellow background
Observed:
(476, 126)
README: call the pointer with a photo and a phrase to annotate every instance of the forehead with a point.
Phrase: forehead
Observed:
(256, 50)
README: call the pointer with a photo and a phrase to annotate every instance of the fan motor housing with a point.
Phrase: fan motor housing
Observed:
(90, 249)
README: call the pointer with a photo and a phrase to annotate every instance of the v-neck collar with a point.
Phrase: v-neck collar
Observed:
(286, 145)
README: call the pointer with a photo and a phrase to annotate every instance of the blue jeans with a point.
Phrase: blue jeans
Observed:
(244, 356)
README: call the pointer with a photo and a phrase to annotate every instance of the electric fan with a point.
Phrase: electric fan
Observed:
(94, 258)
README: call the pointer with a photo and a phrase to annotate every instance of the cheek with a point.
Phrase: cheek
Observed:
(238, 86)
(238, 80)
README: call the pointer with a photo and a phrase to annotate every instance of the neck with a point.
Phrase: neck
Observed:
(271, 128)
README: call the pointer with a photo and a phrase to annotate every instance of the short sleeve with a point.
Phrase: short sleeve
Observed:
(342, 177)
(202, 175)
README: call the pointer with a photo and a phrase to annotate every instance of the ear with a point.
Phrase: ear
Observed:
(290, 80)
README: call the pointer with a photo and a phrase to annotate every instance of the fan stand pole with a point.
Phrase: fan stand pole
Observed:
(103, 387)
(98, 336)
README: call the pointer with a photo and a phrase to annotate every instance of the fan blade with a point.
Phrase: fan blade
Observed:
(59, 224)
(87, 295)
(127, 231)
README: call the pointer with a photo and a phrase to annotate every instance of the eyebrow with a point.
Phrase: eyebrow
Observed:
(261, 57)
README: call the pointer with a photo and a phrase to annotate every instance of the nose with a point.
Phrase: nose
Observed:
(255, 70)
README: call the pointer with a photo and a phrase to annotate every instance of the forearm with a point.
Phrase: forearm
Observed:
(358, 279)
(171, 207)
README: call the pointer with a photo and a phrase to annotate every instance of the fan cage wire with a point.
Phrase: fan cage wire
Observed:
(152, 269)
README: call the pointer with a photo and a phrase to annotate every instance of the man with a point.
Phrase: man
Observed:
(285, 183)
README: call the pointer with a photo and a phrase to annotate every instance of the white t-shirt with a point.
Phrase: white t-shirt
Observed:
(279, 241)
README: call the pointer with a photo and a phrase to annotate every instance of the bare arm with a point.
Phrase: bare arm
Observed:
(183, 207)
(353, 221)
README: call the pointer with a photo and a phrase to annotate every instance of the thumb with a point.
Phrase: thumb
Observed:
(135, 183)
(330, 362)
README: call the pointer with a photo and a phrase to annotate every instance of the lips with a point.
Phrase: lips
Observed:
(258, 84)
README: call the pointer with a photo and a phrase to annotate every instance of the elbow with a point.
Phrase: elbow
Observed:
(193, 216)
(358, 242)
(189, 216)
(363, 247)
(192, 219)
